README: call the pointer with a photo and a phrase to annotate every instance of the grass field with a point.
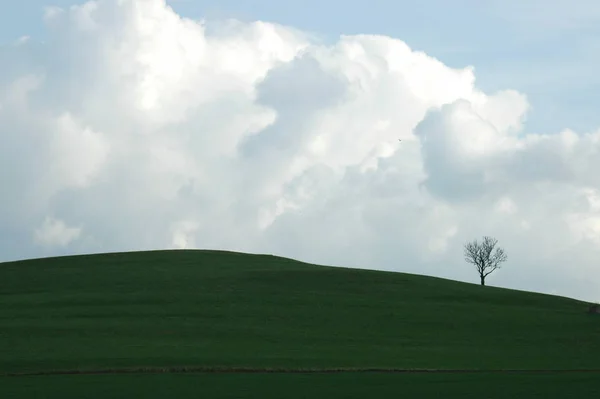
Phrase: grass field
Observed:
(220, 309)
(299, 386)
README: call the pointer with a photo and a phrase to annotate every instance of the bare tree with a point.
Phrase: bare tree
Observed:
(484, 258)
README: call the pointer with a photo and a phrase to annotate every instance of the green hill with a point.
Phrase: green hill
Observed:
(224, 309)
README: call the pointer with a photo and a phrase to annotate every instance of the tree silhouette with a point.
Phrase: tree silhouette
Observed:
(484, 258)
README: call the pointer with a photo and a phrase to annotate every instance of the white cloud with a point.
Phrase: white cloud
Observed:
(52, 12)
(22, 40)
(156, 131)
(183, 235)
(55, 233)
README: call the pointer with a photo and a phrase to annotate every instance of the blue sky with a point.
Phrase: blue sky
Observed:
(547, 50)
(126, 125)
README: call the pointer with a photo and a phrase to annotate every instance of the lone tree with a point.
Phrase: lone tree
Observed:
(483, 256)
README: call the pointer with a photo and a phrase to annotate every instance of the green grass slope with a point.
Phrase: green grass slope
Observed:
(223, 309)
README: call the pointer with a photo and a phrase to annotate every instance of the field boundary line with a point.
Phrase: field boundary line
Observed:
(258, 370)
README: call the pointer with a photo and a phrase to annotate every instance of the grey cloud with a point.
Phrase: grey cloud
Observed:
(451, 175)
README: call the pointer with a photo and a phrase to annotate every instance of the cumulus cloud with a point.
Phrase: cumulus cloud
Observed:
(148, 130)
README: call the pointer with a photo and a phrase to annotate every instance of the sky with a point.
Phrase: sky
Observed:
(273, 127)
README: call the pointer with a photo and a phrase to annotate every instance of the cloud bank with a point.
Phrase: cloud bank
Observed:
(133, 128)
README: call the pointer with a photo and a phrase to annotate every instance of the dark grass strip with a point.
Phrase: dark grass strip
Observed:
(247, 370)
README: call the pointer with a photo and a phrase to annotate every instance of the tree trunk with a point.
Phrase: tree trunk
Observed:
(482, 280)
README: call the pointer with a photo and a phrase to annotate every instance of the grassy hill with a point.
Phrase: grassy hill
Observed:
(223, 309)
(228, 310)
